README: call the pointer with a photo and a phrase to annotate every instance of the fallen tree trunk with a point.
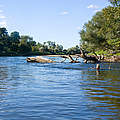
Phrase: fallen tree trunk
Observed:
(88, 58)
(39, 60)
(45, 60)
(72, 60)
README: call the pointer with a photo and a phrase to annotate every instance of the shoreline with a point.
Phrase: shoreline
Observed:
(112, 59)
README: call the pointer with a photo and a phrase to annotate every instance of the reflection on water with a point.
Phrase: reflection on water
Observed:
(58, 91)
(3, 73)
(104, 91)
(3, 77)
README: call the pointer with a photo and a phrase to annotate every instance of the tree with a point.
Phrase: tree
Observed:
(3, 32)
(4, 40)
(112, 29)
(92, 35)
(102, 32)
(74, 50)
(115, 3)
(15, 40)
(25, 44)
(15, 37)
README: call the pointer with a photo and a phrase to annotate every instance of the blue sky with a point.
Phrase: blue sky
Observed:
(54, 20)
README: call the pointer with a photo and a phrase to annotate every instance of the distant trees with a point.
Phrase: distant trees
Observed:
(50, 47)
(14, 44)
(74, 50)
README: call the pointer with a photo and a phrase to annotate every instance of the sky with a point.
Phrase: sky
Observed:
(59, 21)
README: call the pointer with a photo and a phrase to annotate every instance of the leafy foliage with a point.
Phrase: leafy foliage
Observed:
(102, 32)
(115, 3)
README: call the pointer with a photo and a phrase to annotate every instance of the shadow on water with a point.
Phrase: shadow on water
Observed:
(103, 88)
(3, 73)
(3, 83)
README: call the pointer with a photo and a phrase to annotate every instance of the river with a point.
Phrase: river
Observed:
(58, 91)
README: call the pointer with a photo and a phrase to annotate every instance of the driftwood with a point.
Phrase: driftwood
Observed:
(45, 60)
(72, 60)
(87, 58)
(70, 57)
(39, 60)
(90, 58)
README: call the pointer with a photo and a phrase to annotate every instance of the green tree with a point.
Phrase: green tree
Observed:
(25, 44)
(15, 40)
(15, 37)
(74, 50)
(92, 35)
(115, 3)
(102, 32)
(4, 40)
(112, 26)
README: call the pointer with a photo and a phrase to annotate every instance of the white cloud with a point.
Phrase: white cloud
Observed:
(96, 11)
(93, 6)
(2, 17)
(3, 24)
(78, 28)
(64, 13)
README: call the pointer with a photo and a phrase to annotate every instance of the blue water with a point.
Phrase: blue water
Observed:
(58, 91)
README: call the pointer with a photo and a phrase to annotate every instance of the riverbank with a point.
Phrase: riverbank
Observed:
(113, 58)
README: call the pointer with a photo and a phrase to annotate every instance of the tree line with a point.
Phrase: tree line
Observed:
(16, 45)
(101, 34)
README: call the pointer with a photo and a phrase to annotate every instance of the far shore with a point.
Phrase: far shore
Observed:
(58, 55)
(113, 58)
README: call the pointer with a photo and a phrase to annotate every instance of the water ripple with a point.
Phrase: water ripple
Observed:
(58, 91)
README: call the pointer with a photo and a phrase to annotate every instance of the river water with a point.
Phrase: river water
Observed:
(58, 91)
